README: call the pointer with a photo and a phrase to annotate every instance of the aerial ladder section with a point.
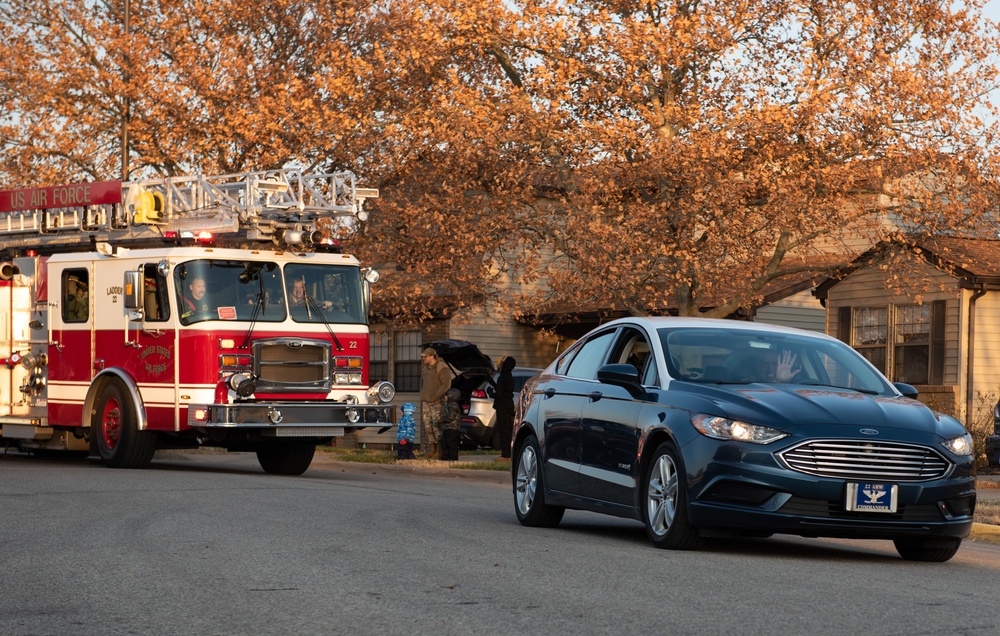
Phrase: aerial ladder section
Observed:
(283, 207)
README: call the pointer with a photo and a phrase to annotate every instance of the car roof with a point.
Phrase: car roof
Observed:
(674, 322)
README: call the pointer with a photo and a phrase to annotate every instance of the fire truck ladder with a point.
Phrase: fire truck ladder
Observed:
(284, 207)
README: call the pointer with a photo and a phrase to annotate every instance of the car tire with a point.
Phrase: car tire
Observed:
(529, 491)
(664, 502)
(935, 550)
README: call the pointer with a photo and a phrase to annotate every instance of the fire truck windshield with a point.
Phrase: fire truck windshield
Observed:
(229, 290)
(324, 293)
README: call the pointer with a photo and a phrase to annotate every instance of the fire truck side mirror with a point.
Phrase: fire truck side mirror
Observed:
(133, 292)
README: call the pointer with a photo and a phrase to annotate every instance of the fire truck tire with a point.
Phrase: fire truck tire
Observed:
(286, 458)
(113, 430)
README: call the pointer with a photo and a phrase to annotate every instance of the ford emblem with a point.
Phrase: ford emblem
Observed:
(869, 431)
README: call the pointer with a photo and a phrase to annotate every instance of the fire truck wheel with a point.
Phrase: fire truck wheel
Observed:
(113, 430)
(286, 458)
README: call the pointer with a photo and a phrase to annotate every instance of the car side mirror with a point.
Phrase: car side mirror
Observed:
(908, 390)
(623, 375)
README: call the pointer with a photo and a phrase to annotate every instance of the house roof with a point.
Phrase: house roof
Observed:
(978, 258)
(973, 261)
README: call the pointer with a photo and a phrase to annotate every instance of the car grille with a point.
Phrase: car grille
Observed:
(292, 364)
(801, 507)
(864, 459)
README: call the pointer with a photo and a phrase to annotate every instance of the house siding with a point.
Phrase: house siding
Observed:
(986, 365)
(801, 310)
(531, 348)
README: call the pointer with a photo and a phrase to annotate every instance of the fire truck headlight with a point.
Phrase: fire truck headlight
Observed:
(383, 392)
(353, 415)
(241, 384)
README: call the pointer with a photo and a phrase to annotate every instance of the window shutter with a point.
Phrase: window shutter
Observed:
(936, 371)
(844, 324)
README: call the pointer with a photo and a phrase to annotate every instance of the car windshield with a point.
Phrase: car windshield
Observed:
(742, 356)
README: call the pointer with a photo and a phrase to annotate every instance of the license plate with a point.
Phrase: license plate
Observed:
(867, 497)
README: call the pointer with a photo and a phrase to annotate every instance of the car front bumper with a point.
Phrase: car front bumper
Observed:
(759, 494)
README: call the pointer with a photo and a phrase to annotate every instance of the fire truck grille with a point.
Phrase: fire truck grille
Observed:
(292, 364)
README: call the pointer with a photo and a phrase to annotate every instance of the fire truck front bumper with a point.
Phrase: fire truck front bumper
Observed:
(291, 419)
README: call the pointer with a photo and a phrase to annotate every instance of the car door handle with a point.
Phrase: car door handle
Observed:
(549, 392)
(595, 396)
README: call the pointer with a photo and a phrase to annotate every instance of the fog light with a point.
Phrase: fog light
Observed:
(241, 384)
(353, 415)
(384, 392)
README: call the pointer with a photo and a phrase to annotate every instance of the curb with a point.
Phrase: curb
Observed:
(986, 533)
(417, 467)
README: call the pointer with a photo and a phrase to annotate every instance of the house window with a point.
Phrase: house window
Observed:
(404, 363)
(378, 369)
(406, 356)
(911, 361)
(905, 342)
(871, 334)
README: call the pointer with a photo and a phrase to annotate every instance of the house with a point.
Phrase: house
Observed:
(928, 315)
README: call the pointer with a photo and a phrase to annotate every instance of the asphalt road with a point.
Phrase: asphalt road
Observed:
(210, 545)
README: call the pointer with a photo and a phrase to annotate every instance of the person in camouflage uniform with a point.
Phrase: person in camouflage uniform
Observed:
(448, 424)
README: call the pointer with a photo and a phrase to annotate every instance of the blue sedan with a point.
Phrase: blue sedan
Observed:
(713, 428)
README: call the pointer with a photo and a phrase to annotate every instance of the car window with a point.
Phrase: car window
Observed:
(632, 347)
(591, 356)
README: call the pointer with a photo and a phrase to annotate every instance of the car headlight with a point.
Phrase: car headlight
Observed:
(961, 445)
(722, 428)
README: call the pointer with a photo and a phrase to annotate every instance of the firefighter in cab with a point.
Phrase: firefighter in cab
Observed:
(194, 299)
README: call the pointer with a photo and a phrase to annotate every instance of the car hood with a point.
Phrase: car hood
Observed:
(464, 356)
(788, 407)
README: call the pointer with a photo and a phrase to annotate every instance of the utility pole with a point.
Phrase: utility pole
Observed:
(126, 106)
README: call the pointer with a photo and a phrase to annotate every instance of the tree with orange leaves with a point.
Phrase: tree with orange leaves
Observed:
(647, 156)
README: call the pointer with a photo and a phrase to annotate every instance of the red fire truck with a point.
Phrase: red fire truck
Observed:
(186, 312)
